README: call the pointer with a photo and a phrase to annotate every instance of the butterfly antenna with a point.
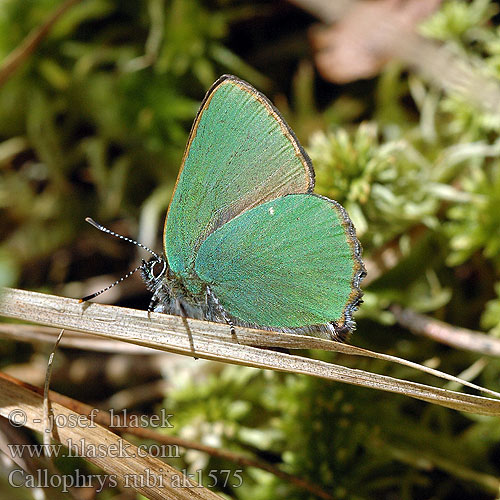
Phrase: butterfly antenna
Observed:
(106, 230)
(93, 295)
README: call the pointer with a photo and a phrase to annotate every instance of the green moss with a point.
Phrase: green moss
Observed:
(89, 126)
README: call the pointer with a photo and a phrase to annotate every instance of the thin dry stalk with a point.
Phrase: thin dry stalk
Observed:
(214, 341)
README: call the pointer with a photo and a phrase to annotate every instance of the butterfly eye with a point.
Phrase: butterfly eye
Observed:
(157, 269)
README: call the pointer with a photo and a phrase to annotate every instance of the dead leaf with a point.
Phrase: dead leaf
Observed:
(365, 39)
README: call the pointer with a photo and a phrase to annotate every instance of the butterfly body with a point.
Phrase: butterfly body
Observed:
(175, 295)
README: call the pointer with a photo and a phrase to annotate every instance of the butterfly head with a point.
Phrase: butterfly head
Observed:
(154, 271)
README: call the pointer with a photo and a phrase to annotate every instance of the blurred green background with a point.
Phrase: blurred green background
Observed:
(95, 122)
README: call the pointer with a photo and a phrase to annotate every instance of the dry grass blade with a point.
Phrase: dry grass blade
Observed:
(31, 333)
(123, 427)
(29, 405)
(47, 410)
(213, 341)
(13, 436)
(76, 340)
(460, 338)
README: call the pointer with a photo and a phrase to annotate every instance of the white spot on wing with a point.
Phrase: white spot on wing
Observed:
(271, 210)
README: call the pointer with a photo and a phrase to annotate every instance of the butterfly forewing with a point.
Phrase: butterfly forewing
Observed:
(240, 154)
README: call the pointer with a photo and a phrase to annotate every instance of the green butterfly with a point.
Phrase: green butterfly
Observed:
(246, 240)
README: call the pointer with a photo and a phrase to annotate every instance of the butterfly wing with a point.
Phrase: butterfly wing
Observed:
(240, 153)
(291, 262)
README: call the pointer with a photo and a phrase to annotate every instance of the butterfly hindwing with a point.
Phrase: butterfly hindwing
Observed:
(290, 262)
(240, 154)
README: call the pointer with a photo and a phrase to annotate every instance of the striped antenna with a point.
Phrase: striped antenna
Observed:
(106, 230)
(93, 295)
(112, 233)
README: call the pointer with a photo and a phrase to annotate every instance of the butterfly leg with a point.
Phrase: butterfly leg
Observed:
(160, 301)
(221, 311)
(185, 315)
(157, 302)
(153, 302)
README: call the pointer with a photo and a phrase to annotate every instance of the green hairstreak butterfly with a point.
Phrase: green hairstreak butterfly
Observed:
(246, 240)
